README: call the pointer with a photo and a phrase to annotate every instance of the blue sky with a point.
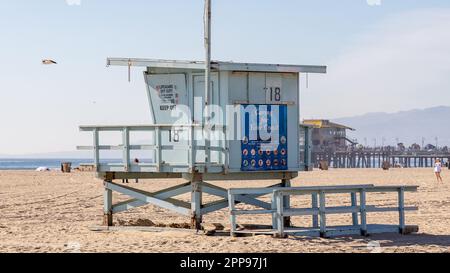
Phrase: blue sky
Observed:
(371, 51)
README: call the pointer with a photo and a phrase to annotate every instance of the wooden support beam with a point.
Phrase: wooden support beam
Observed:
(231, 204)
(274, 215)
(170, 204)
(196, 202)
(214, 206)
(107, 207)
(354, 202)
(126, 149)
(286, 202)
(322, 212)
(315, 205)
(280, 209)
(241, 198)
(401, 210)
(363, 212)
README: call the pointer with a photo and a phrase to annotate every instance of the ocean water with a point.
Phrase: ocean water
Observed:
(32, 164)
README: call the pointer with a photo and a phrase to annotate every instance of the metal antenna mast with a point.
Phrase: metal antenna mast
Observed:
(207, 19)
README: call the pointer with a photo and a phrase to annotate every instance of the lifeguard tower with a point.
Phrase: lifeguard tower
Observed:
(253, 133)
(242, 125)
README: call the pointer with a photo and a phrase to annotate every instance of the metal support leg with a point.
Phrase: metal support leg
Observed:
(107, 207)
(286, 202)
(354, 214)
(196, 203)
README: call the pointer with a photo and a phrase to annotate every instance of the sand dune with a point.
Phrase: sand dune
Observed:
(52, 212)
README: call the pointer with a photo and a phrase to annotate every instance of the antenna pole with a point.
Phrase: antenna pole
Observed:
(207, 19)
(207, 49)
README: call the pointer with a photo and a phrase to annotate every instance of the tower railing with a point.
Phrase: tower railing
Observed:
(159, 164)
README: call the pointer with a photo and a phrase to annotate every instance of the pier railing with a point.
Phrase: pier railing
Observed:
(376, 158)
(319, 210)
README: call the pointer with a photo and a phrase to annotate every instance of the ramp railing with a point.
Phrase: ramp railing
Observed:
(319, 210)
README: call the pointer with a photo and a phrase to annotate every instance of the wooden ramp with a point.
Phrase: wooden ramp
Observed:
(281, 211)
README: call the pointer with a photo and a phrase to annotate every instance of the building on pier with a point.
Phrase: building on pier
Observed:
(328, 136)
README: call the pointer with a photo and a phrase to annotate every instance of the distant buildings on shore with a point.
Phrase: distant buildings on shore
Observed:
(329, 136)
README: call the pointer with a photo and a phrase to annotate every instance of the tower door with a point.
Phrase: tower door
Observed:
(199, 115)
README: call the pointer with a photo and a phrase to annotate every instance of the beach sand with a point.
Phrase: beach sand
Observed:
(52, 212)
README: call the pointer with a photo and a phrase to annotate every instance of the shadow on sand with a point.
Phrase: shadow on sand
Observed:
(390, 240)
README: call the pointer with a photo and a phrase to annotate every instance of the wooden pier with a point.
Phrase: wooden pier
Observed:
(376, 158)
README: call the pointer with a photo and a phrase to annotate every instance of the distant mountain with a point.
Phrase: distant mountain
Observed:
(408, 126)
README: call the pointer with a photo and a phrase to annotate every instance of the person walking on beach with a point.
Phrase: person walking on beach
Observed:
(438, 170)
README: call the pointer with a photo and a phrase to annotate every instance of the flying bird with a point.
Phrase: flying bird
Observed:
(48, 62)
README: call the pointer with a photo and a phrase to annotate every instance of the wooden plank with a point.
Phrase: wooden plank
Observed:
(315, 205)
(286, 202)
(127, 205)
(409, 229)
(158, 155)
(342, 231)
(107, 207)
(392, 188)
(196, 202)
(170, 204)
(191, 153)
(150, 127)
(323, 219)
(141, 229)
(274, 215)
(96, 149)
(378, 229)
(256, 232)
(126, 149)
(173, 191)
(210, 189)
(390, 209)
(292, 191)
(252, 191)
(252, 212)
(354, 203)
(139, 175)
(214, 206)
(107, 198)
(401, 209)
(231, 204)
(341, 210)
(301, 212)
(279, 215)
(363, 212)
